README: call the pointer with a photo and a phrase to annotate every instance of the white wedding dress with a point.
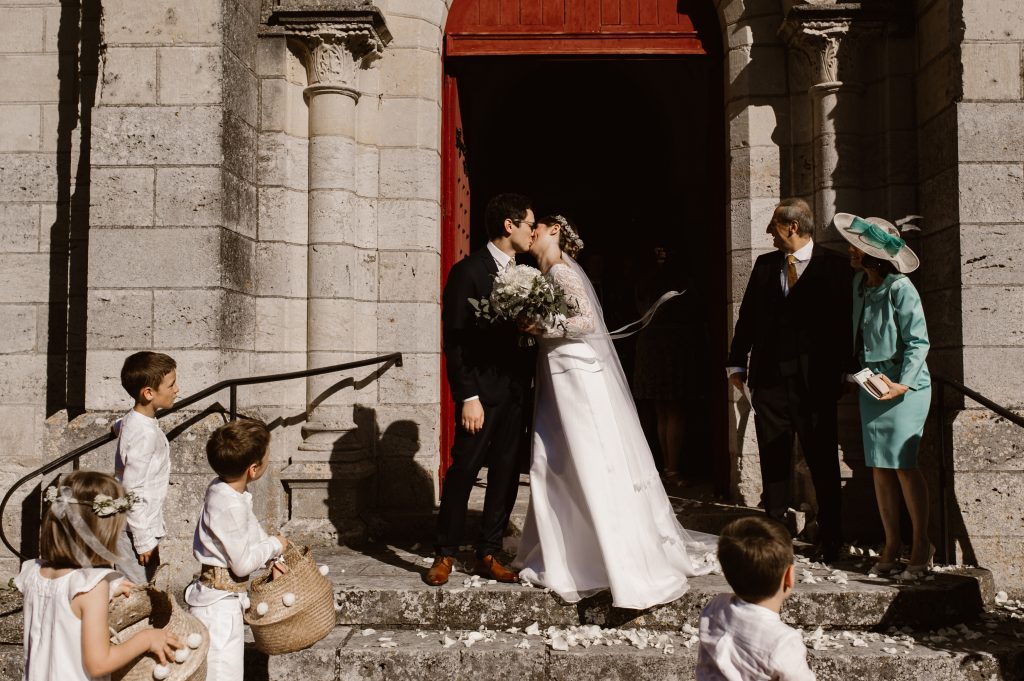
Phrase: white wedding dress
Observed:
(599, 517)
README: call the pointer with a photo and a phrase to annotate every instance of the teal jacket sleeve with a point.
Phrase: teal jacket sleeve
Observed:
(909, 316)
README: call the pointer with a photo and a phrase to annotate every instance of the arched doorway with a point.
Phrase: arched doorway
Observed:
(612, 113)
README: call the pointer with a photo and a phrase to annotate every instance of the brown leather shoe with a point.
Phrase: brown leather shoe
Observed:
(489, 567)
(439, 571)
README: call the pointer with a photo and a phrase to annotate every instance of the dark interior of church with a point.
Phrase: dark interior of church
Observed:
(632, 151)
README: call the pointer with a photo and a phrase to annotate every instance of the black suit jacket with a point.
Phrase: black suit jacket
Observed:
(481, 358)
(806, 333)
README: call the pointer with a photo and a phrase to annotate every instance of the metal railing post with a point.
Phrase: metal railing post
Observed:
(233, 403)
(943, 474)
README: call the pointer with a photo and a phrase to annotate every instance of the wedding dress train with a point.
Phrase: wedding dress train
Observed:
(599, 517)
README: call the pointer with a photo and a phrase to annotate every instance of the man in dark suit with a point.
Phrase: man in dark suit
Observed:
(794, 324)
(489, 375)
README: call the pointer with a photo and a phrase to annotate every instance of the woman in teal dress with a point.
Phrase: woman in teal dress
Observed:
(891, 339)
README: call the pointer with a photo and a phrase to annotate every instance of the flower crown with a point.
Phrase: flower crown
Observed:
(102, 505)
(573, 244)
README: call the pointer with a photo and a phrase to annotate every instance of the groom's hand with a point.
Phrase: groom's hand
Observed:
(472, 416)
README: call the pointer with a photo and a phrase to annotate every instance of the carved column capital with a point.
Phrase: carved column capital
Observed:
(335, 43)
(821, 42)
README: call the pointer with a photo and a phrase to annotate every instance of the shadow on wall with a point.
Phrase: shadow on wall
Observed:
(79, 43)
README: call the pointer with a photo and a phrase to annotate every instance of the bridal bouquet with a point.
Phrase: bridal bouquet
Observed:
(522, 294)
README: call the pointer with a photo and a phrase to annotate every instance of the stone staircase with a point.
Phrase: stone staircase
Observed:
(951, 627)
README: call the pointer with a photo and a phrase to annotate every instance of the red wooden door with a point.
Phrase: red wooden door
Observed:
(455, 233)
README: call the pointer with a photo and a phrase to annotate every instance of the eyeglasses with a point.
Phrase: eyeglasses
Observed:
(531, 225)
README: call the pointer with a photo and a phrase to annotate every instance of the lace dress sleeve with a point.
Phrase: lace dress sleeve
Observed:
(580, 321)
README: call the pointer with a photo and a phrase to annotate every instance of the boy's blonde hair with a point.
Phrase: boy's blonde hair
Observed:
(60, 545)
(754, 553)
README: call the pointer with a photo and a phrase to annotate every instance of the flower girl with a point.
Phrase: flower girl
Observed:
(66, 598)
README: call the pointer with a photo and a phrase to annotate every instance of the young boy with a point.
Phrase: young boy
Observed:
(229, 542)
(741, 635)
(143, 460)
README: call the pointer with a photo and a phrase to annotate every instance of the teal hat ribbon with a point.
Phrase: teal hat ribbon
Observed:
(877, 236)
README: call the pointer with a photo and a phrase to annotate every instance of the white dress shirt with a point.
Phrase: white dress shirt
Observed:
(741, 641)
(143, 465)
(502, 260)
(228, 535)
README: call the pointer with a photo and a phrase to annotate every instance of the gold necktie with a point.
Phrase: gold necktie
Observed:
(791, 275)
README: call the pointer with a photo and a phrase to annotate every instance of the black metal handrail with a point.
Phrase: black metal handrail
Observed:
(232, 386)
(940, 396)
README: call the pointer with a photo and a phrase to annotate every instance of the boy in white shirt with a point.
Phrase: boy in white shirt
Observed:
(142, 462)
(230, 543)
(741, 635)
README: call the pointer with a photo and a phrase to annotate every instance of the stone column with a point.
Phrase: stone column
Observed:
(837, 113)
(327, 474)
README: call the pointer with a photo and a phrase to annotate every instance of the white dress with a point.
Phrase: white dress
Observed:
(53, 634)
(599, 517)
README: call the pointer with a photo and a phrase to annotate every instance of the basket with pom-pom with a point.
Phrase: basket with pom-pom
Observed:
(290, 610)
(146, 607)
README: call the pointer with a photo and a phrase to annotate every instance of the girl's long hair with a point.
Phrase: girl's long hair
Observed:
(59, 543)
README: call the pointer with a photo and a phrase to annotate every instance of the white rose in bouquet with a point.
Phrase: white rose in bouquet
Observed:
(522, 294)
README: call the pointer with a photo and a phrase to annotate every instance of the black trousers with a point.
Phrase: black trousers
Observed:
(497, 445)
(784, 410)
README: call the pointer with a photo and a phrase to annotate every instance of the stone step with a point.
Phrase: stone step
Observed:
(348, 655)
(381, 587)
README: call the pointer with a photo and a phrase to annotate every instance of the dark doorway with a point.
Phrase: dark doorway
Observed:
(632, 151)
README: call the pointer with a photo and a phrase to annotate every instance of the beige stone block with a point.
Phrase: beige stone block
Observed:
(417, 381)
(21, 129)
(343, 271)
(241, 30)
(352, 387)
(367, 164)
(24, 278)
(341, 324)
(240, 147)
(993, 315)
(733, 11)
(934, 31)
(29, 78)
(754, 125)
(196, 370)
(410, 276)
(937, 86)
(272, 56)
(240, 210)
(410, 174)
(990, 254)
(189, 318)
(411, 73)
(188, 196)
(47, 220)
(414, 32)
(756, 71)
(298, 111)
(274, 105)
(22, 378)
(22, 29)
(241, 90)
(756, 172)
(20, 431)
(190, 75)
(121, 319)
(754, 30)
(129, 76)
(333, 216)
(238, 322)
(289, 394)
(992, 71)
(17, 328)
(280, 270)
(121, 197)
(987, 132)
(410, 123)
(283, 215)
(164, 135)
(749, 219)
(332, 163)
(985, 370)
(409, 327)
(185, 21)
(332, 114)
(991, 192)
(280, 325)
(940, 194)
(1001, 554)
(51, 127)
(408, 224)
(238, 262)
(993, 20)
(19, 227)
(188, 258)
(282, 161)
(52, 37)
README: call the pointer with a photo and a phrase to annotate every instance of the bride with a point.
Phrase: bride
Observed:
(599, 517)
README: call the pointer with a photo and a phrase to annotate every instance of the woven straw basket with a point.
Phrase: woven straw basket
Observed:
(148, 607)
(284, 629)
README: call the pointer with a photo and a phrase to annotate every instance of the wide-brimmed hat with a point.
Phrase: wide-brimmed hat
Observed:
(877, 238)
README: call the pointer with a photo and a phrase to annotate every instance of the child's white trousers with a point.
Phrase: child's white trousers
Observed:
(227, 638)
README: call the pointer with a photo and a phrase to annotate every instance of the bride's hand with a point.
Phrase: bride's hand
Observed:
(530, 326)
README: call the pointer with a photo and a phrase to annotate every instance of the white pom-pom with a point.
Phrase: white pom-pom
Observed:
(194, 640)
(161, 672)
(262, 609)
(324, 570)
(180, 655)
(245, 602)
(288, 599)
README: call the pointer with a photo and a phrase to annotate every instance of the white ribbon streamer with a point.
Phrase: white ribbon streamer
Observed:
(646, 319)
(61, 509)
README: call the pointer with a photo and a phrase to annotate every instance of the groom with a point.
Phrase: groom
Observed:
(489, 375)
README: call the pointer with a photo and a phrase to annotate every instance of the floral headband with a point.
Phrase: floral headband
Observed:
(102, 505)
(61, 503)
(572, 239)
